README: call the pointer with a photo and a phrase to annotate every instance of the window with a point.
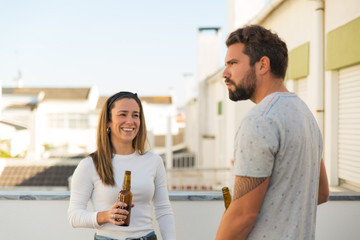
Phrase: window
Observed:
(68, 120)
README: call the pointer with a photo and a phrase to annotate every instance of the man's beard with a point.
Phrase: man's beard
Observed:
(247, 88)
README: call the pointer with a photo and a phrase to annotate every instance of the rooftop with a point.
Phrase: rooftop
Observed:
(150, 100)
(45, 173)
(52, 93)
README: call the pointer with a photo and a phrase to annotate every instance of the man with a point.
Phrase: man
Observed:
(279, 172)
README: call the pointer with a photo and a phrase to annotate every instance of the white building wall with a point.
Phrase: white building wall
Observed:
(208, 64)
(189, 87)
(93, 97)
(71, 140)
(241, 11)
(156, 116)
(192, 127)
(337, 13)
(294, 11)
(335, 219)
(208, 53)
(35, 132)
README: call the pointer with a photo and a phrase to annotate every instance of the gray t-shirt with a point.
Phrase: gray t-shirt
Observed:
(279, 138)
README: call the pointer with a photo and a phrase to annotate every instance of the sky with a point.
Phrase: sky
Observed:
(135, 45)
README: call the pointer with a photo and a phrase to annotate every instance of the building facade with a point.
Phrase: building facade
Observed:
(324, 70)
(61, 122)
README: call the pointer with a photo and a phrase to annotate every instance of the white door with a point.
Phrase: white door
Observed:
(349, 125)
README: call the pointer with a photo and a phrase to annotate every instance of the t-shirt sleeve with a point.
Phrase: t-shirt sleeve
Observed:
(256, 145)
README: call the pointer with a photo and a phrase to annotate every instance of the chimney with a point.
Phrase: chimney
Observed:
(189, 87)
(208, 51)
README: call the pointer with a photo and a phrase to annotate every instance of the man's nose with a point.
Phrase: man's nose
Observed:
(226, 73)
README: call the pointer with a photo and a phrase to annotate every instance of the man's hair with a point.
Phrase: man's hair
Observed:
(261, 42)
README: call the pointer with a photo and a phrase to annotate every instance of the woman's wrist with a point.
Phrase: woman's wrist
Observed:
(101, 218)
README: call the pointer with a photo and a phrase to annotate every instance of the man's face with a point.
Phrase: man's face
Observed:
(240, 77)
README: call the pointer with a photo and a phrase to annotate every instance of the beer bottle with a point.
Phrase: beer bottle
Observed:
(227, 196)
(125, 196)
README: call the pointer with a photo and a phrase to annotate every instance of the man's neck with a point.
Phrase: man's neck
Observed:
(268, 87)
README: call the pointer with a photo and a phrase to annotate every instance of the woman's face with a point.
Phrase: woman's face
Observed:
(125, 121)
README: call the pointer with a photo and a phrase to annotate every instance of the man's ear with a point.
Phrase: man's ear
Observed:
(264, 65)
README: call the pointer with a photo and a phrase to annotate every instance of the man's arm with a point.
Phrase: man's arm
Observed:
(323, 195)
(240, 217)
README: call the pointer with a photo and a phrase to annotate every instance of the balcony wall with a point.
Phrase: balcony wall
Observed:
(42, 215)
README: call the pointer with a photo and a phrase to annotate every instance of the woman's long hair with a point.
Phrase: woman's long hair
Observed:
(102, 157)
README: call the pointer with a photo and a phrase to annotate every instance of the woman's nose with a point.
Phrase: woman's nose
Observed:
(129, 119)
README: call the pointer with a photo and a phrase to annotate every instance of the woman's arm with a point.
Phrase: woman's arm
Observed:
(163, 210)
(81, 190)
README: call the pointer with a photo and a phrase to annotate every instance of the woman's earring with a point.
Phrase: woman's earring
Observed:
(108, 130)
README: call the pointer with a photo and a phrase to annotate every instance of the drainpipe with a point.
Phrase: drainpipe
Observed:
(317, 55)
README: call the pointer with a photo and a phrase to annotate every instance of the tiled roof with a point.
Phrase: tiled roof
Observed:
(101, 101)
(157, 99)
(48, 176)
(51, 93)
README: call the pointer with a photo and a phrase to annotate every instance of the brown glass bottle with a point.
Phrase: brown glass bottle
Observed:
(125, 196)
(227, 196)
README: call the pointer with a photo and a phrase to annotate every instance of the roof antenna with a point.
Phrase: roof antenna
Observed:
(18, 82)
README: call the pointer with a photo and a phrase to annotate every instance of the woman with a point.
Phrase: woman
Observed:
(121, 137)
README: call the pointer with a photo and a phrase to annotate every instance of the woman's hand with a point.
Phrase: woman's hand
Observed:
(115, 214)
(118, 214)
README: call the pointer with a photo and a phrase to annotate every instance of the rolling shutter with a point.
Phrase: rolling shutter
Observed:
(301, 88)
(349, 125)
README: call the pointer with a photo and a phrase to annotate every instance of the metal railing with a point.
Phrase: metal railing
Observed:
(183, 160)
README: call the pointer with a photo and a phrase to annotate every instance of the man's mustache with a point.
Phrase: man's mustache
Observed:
(228, 80)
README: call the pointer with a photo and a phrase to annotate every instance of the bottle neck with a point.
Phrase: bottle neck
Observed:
(225, 190)
(127, 183)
